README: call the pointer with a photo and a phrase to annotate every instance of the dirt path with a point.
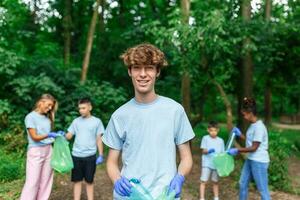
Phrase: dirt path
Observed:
(287, 126)
(228, 191)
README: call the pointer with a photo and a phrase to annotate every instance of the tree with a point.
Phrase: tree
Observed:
(246, 68)
(268, 91)
(185, 79)
(89, 43)
(67, 24)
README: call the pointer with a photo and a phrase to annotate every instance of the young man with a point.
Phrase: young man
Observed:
(87, 130)
(147, 129)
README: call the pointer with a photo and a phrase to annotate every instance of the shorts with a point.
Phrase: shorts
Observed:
(84, 168)
(206, 173)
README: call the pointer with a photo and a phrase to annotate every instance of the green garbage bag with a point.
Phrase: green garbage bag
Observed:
(166, 196)
(61, 159)
(139, 192)
(224, 164)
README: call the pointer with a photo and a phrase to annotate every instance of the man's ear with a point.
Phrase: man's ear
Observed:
(158, 72)
(90, 108)
(129, 71)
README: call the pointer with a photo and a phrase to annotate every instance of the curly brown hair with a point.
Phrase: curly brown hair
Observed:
(249, 105)
(144, 54)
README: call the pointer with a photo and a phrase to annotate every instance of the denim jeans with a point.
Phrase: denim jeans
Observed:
(257, 171)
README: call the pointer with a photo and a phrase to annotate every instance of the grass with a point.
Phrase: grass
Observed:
(11, 190)
(292, 137)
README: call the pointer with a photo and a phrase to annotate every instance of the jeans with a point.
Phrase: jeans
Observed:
(257, 171)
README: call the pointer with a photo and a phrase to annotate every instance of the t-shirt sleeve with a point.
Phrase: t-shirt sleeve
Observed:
(183, 128)
(71, 128)
(258, 134)
(100, 128)
(203, 144)
(29, 122)
(112, 135)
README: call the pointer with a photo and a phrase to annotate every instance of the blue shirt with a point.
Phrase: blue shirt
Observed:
(208, 142)
(257, 132)
(42, 125)
(147, 135)
(86, 131)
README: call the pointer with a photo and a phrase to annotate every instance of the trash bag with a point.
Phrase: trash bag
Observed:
(166, 196)
(61, 159)
(224, 164)
(139, 192)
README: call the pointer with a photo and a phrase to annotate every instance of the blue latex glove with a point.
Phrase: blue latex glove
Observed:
(99, 160)
(236, 131)
(62, 133)
(52, 135)
(176, 185)
(212, 150)
(123, 187)
(233, 151)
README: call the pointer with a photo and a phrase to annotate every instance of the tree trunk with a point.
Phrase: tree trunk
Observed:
(122, 11)
(185, 80)
(67, 24)
(247, 65)
(185, 91)
(268, 10)
(227, 105)
(268, 105)
(268, 90)
(101, 16)
(89, 43)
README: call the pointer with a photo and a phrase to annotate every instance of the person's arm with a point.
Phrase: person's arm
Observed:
(242, 136)
(112, 165)
(235, 151)
(33, 134)
(238, 133)
(252, 148)
(100, 144)
(69, 136)
(204, 151)
(186, 160)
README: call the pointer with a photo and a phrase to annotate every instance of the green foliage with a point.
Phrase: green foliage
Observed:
(11, 190)
(26, 87)
(105, 99)
(8, 62)
(11, 167)
(280, 150)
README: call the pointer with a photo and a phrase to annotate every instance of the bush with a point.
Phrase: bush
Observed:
(13, 140)
(11, 167)
(105, 99)
(280, 150)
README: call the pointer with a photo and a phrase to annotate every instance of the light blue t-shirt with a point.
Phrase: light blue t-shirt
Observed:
(208, 142)
(257, 132)
(147, 135)
(86, 131)
(42, 124)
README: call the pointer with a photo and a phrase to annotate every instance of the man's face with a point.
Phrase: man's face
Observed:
(85, 109)
(213, 132)
(143, 78)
